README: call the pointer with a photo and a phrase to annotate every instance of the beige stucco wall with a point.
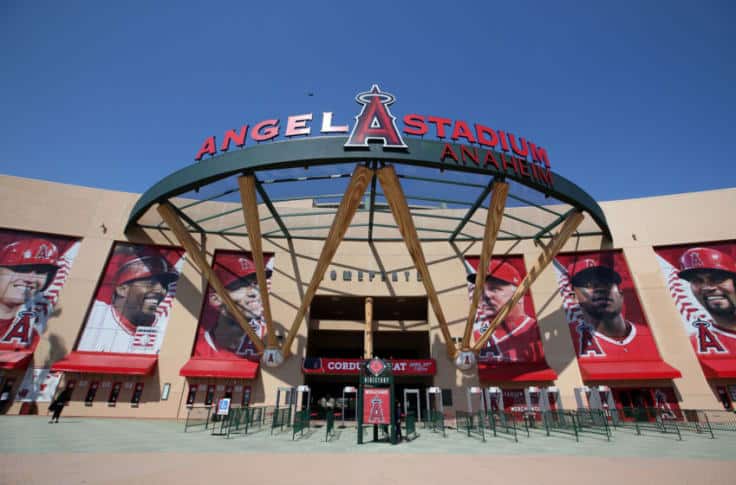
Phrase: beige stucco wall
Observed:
(98, 218)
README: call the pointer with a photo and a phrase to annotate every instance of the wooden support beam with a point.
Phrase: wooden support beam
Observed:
(368, 336)
(348, 206)
(400, 209)
(572, 221)
(494, 217)
(168, 214)
(247, 184)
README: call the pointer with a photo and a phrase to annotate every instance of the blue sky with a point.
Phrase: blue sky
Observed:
(630, 98)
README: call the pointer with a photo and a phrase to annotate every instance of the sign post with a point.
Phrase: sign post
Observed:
(376, 398)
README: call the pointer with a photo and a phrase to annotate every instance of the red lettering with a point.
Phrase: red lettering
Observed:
(208, 147)
(504, 143)
(297, 125)
(232, 135)
(588, 343)
(523, 167)
(470, 152)
(707, 341)
(440, 123)
(447, 152)
(418, 126)
(265, 130)
(20, 331)
(539, 154)
(483, 131)
(490, 159)
(462, 131)
(543, 174)
(524, 151)
(508, 162)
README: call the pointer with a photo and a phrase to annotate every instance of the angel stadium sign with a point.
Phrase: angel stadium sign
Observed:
(465, 143)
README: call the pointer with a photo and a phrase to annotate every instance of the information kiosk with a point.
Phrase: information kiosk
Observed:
(376, 399)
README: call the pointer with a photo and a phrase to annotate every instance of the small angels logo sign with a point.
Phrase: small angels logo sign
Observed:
(376, 406)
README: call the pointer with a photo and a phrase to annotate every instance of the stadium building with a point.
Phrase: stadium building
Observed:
(294, 249)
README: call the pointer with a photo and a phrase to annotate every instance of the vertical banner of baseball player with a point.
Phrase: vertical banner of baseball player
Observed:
(133, 301)
(517, 339)
(39, 385)
(33, 270)
(602, 309)
(702, 281)
(219, 336)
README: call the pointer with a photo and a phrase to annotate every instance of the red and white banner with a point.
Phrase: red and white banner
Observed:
(605, 317)
(335, 366)
(35, 268)
(133, 301)
(219, 335)
(376, 406)
(517, 340)
(701, 279)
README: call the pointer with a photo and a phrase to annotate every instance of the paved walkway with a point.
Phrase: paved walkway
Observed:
(85, 450)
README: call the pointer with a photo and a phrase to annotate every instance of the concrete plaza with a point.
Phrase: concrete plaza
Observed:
(86, 450)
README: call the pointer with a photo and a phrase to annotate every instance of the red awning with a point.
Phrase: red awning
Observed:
(515, 372)
(107, 363)
(628, 370)
(10, 360)
(232, 368)
(719, 368)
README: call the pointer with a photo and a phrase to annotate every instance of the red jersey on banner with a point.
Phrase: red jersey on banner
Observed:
(33, 270)
(219, 335)
(604, 314)
(133, 301)
(702, 282)
(517, 339)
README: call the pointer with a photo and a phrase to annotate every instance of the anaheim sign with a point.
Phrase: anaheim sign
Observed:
(337, 366)
(375, 124)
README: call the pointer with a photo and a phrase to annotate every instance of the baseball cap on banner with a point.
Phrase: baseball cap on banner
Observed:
(232, 269)
(146, 266)
(596, 265)
(39, 254)
(697, 259)
(500, 270)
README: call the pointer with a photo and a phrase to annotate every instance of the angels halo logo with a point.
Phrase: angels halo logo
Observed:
(375, 121)
(376, 367)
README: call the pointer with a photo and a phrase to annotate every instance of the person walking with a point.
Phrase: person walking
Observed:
(57, 405)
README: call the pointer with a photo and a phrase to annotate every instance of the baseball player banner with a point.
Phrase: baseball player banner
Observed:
(133, 301)
(517, 339)
(602, 309)
(39, 385)
(219, 335)
(33, 270)
(702, 282)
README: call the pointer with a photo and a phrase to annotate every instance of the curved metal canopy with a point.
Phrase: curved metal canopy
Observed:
(284, 168)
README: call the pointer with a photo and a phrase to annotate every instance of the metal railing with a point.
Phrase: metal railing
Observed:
(436, 422)
(280, 417)
(505, 423)
(301, 422)
(198, 416)
(411, 426)
(470, 423)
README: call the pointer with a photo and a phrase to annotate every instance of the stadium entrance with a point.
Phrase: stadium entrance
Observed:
(344, 330)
